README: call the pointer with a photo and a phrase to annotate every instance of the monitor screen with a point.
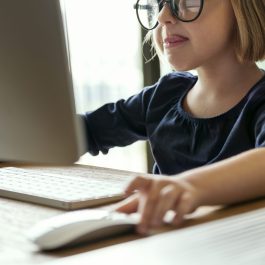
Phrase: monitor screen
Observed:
(37, 110)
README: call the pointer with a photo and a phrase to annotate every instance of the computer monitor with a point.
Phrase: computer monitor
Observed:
(38, 121)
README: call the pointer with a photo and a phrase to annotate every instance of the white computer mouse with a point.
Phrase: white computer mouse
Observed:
(80, 226)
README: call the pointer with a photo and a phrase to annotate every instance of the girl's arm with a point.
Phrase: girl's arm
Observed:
(236, 179)
(232, 180)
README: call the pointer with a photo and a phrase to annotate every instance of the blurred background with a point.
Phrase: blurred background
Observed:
(106, 57)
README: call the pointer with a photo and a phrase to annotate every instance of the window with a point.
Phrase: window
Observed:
(105, 49)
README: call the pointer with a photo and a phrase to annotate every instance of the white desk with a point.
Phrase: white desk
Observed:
(16, 217)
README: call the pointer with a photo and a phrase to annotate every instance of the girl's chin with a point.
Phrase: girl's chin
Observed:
(180, 65)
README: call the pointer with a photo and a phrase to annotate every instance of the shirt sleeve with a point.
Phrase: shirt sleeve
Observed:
(117, 124)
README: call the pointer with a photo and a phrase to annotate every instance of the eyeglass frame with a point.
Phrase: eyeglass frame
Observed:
(161, 4)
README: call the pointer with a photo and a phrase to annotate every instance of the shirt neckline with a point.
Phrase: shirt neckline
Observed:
(234, 111)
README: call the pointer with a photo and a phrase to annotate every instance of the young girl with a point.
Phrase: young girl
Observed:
(206, 131)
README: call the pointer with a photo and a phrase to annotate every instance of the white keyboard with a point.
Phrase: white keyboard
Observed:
(64, 188)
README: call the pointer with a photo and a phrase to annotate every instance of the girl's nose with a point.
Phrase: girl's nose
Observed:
(165, 15)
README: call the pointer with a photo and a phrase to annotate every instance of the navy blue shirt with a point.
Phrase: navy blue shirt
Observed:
(178, 141)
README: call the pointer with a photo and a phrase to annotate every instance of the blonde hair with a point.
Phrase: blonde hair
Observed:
(154, 51)
(249, 31)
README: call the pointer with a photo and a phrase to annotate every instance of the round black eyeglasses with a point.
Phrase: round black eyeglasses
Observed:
(147, 11)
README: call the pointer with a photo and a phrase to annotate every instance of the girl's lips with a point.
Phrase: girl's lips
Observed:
(174, 40)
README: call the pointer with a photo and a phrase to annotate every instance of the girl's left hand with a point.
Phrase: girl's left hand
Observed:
(153, 197)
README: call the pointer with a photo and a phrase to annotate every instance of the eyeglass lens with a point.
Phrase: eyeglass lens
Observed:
(184, 10)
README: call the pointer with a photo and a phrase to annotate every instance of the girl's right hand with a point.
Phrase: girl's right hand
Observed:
(153, 197)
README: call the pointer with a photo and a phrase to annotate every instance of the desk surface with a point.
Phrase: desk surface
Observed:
(17, 217)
